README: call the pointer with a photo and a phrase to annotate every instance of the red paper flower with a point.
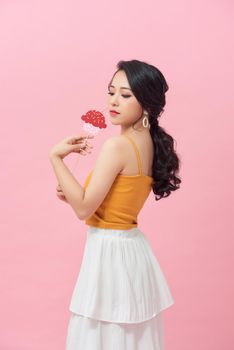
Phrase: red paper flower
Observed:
(95, 118)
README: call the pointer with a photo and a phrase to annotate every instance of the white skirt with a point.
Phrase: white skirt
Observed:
(119, 295)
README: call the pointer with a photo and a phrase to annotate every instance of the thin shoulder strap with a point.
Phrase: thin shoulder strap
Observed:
(137, 154)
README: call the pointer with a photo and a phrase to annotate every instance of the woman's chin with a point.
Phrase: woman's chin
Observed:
(114, 121)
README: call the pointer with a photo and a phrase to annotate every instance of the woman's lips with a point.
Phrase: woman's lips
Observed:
(113, 113)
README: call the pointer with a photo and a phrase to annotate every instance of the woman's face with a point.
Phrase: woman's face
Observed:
(122, 100)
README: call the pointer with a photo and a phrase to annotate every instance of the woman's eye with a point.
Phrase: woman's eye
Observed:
(125, 96)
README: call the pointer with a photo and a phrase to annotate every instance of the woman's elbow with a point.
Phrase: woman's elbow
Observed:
(83, 215)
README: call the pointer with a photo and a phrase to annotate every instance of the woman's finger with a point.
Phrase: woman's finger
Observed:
(60, 193)
(62, 198)
(86, 136)
(82, 137)
(87, 147)
(83, 151)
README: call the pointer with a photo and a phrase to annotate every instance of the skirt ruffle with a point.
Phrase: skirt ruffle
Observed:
(89, 334)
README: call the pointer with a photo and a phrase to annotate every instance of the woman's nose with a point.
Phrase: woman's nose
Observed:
(114, 100)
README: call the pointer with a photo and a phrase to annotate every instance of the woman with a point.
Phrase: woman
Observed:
(121, 291)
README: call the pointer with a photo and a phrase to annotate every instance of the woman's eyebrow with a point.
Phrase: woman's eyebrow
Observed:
(122, 87)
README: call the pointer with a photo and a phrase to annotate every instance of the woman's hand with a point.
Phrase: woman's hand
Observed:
(60, 194)
(78, 144)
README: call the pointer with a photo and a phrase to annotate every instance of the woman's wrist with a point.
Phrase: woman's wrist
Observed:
(53, 156)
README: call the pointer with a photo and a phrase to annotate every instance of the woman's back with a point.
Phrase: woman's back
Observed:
(129, 191)
(143, 146)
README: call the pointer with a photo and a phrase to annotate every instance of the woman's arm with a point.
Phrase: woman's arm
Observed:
(109, 164)
(85, 201)
(71, 188)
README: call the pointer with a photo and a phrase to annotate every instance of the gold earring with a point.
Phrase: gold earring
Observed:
(145, 121)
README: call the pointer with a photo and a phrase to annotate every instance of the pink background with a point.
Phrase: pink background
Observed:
(56, 60)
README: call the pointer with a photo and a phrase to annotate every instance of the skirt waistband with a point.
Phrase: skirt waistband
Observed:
(132, 232)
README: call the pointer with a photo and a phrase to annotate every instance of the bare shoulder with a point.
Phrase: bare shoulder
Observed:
(114, 146)
(115, 141)
(110, 160)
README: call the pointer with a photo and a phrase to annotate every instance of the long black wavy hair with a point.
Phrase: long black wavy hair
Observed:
(149, 87)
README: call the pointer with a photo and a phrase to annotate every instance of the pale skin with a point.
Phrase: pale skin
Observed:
(116, 155)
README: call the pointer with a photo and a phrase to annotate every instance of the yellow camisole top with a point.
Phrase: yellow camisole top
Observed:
(123, 202)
